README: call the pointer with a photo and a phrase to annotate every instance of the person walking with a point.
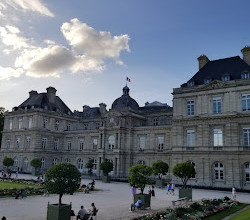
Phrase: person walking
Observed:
(172, 188)
(153, 191)
(234, 193)
(149, 191)
(168, 188)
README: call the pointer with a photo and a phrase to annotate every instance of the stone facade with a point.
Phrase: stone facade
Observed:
(209, 125)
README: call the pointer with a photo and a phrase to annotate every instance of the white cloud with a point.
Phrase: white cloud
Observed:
(98, 44)
(8, 72)
(26, 5)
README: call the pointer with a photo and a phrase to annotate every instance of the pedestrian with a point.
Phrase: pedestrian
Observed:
(133, 191)
(82, 213)
(149, 191)
(16, 174)
(23, 193)
(234, 193)
(153, 191)
(168, 188)
(93, 211)
(172, 188)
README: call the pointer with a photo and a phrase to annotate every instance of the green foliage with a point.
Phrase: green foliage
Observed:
(184, 171)
(160, 167)
(139, 176)
(106, 167)
(36, 163)
(7, 161)
(62, 178)
(90, 165)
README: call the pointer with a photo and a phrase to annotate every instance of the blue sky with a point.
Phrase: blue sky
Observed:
(87, 48)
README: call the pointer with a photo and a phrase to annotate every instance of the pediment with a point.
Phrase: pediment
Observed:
(215, 84)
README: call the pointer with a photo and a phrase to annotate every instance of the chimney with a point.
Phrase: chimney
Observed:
(246, 54)
(51, 94)
(203, 60)
(102, 107)
(32, 93)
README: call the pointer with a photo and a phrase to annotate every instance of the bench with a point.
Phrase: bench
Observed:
(180, 201)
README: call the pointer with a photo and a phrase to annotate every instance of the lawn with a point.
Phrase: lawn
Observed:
(227, 212)
(245, 215)
(9, 185)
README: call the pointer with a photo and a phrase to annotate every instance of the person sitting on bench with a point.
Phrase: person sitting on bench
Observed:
(138, 204)
(82, 214)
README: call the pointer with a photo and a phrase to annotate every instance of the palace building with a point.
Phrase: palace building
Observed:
(209, 125)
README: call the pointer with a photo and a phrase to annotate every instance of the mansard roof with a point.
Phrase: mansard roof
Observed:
(90, 112)
(216, 69)
(41, 100)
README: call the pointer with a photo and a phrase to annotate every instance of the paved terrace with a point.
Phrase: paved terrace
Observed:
(113, 201)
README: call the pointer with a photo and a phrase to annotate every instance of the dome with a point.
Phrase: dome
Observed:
(125, 101)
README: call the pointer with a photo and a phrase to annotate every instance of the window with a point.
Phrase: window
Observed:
(25, 163)
(245, 75)
(11, 124)
(57, 123)
(111, 142)
(85, 126)
(94, 164)
(17, 142)
(190, 108)
(54, 161)
(94, 143)
(160, 143)
(16, 162)
(67, 160)
(207, 81)
(44, 143)
(156, 121)
(247, 172)
(8, 143)
(190, 83)
(68, 127)
(217, 105)
(142, 143)
(245, 102)
(80, 164)
(45, 123)
(225, 78)
(30, 122)
(43, 163)
(219, 171)
(142, 162)
(56, 144)
(97, 125)
(20, 123)
(190, 138)
(218, 137)
(246, 136)
(81, 144)
(69, 145)
(27, 142)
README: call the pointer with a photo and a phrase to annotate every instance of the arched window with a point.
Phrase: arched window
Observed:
(25, 163)
(54, 161)
(43, 163)
(219, 171)
(247, 172)
(111, 141)
(142, 162)
(16, 162)
(80, 164)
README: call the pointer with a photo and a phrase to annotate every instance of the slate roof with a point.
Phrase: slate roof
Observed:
(216, 69)
(41, 101)
(89, 112)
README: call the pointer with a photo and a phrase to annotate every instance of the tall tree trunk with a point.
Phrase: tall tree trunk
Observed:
(60, 199)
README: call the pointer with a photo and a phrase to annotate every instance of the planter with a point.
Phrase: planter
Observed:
(106, 179)
(56, 212)
(160, 183)
(145, 198)
(185, 192)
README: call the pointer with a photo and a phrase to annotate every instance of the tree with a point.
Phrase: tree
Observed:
(106, 167)
(36, 163)
(7, 161)
(139, 176)
(62, 178)
(160, 168)
(90, 165)
(2, 112)
(184, 171)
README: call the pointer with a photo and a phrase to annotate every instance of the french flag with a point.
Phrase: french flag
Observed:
(128, 79)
